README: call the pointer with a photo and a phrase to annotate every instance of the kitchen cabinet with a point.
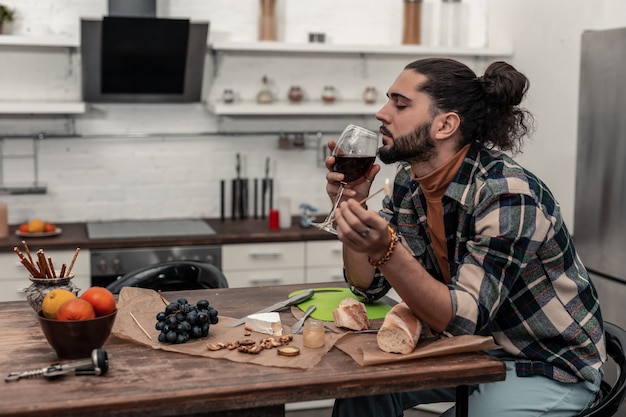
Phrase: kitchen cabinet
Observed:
(324, 261)
(14, 277)
(259, 264)
(280, 263)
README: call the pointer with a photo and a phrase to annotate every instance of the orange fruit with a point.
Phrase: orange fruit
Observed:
(102, 300)
(36, 226)
(53, 301)
(76, 309)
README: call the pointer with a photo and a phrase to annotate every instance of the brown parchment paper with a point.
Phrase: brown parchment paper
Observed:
(364, 349)
(144, 305)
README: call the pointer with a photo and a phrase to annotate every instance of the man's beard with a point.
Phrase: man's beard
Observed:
(414, 147)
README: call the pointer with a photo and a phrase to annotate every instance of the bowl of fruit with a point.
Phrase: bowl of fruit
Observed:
(37, 228)
(76, 325)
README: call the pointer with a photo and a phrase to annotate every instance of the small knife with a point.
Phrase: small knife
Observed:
(296, 327)
(298, 298)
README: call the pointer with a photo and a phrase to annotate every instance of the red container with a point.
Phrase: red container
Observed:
(274, 219)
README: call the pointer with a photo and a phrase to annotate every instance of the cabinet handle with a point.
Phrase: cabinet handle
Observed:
(337, 251)
(261, 255)
(266, 281)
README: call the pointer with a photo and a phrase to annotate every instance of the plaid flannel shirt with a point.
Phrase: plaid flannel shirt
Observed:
(515, 273)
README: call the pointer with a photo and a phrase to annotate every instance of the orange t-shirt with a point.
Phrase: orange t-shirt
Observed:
(434, 186)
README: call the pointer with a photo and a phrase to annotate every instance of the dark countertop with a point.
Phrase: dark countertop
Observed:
(228, 232)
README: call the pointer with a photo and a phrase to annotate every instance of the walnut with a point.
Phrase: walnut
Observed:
(214, 346)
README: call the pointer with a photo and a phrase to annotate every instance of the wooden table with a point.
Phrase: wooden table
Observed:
(142, 381)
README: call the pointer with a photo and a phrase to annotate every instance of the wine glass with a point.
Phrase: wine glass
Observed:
(354, 154)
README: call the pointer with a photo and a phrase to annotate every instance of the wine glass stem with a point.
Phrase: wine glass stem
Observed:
(331, 215)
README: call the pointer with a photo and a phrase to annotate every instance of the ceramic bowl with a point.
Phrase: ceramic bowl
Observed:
(76, 339)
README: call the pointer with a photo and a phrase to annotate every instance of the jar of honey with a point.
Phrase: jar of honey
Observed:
(313, 334)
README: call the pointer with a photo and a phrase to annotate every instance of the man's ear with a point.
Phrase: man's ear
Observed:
(446, 125)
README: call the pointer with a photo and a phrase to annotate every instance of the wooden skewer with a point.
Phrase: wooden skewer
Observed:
(33, 271)
(140, 326)
(386, 188)
(53, 272)
(62, 273)
(19, 253)
(26, 261)
(43, 264)
(30, 258)
(69, 270)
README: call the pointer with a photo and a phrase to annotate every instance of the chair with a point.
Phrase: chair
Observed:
(173, 276)
(611, 396)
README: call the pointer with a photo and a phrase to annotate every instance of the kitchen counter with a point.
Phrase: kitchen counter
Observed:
(228, 232)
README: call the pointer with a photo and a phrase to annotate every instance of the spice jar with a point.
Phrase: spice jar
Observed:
(298, 140)
(265, 95)
(313, 334)
(412, 21)
(370, 95)
(328, 94)
(283, 141)
(228, 96)
(295, 94)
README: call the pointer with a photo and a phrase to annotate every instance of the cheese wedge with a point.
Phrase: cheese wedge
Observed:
(268, 323)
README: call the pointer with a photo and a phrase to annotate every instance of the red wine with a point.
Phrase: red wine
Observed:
(353, 167)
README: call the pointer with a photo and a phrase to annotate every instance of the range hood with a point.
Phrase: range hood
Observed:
(131, 56)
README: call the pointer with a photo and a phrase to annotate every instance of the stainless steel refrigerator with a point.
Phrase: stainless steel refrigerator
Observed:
(600, 212)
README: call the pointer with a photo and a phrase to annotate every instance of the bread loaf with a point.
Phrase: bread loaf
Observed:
(351, 314)
(400, 330)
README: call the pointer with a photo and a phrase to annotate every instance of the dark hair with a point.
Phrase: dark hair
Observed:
(488, 106)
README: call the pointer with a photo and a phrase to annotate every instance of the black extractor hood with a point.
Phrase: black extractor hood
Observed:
(131, 56)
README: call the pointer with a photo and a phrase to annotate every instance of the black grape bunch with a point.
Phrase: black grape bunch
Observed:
(181, 321)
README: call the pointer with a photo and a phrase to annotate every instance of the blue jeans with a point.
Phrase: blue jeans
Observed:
(533, 396)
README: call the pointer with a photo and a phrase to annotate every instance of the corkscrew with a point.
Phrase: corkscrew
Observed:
(97, 364)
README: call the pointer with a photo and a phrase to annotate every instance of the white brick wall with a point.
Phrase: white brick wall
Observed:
(113, 174)
(121, 176)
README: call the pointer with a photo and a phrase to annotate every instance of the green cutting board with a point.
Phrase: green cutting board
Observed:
(328, 299)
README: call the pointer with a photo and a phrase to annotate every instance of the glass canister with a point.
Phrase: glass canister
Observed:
(452, 22)
(313, 334)
(37, 291)
(228, 96)
(412, 27)
(328, 94)
(265, 95)
(295, 94)
(370, 95)
(267, 21)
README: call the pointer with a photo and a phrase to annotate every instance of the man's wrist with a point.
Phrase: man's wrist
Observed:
(380, 261)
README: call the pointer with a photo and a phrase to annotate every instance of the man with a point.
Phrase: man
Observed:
(473, 243)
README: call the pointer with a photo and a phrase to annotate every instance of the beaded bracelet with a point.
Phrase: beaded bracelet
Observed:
(387, 255)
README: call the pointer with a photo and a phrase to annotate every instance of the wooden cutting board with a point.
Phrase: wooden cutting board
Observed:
(328, 299)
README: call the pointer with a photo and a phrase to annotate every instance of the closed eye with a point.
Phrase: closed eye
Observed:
(400, 102)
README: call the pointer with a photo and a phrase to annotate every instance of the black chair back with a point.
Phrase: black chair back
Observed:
(612, 395)
(173, 276)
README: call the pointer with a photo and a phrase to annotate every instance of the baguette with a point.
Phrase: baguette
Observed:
(351, 314)
(400, 330)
